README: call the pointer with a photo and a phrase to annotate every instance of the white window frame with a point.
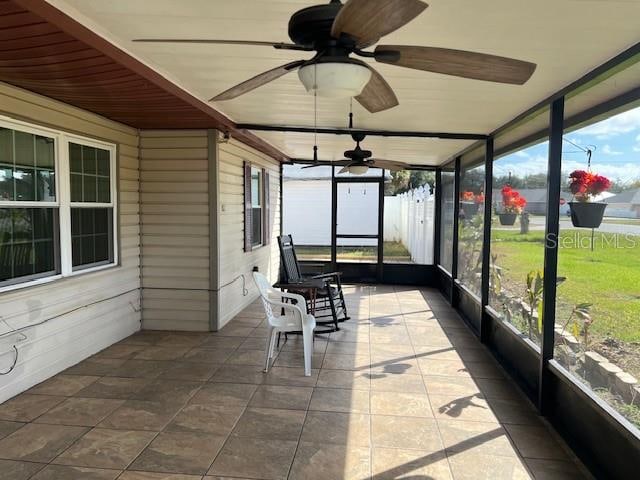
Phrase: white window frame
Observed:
(63, 198)
(260, 171)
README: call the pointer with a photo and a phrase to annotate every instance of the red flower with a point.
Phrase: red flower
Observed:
(512, 201)
(585, 185)
(468, 196)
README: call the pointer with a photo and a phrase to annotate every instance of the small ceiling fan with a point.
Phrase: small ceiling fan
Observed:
(359, 161)
(335, 31)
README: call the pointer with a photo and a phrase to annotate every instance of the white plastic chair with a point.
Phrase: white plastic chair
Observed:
(295, 319)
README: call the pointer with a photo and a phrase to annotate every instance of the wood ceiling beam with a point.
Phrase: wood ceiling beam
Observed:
(74, 28)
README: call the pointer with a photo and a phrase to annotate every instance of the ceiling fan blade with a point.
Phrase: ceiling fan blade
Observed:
(368, 20)
(277, 45)
(460, 63)
(257, 81)
(392, 165)
(377, 95)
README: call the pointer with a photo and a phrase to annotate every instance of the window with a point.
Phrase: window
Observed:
(306, 208)
(52, 222)
(256, 214)
(470, 227)
(519, 202)
(91, 207)
(409, 217)
(597, 334)
(446, 215)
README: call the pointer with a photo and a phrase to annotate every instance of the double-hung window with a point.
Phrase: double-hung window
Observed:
(256, 207)
(57, 204)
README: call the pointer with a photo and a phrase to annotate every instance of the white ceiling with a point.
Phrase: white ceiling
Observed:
(566, 38)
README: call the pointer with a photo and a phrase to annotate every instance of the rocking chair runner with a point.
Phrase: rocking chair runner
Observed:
(328, 301)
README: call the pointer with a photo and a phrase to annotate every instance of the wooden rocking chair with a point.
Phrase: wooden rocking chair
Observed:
(328, 305)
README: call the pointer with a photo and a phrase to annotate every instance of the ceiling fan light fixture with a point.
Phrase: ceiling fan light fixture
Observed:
(335, 79)
(358, 169)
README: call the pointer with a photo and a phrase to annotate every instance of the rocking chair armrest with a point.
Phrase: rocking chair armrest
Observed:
(328, 275)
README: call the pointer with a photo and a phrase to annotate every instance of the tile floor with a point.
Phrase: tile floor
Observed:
(402, 391)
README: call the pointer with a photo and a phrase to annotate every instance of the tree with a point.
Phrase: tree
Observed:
(405, 180)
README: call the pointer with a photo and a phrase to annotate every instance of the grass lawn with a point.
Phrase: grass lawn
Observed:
(393, 252)
(608, 277)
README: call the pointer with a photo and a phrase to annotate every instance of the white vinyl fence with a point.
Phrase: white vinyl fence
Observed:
(409, 219)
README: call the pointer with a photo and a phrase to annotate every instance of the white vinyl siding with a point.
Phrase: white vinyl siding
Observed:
(175, 229)
(234, 260)
(90, 311)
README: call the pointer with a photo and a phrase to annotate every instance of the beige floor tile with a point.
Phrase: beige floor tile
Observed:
(405, 433)
(447, 368)
(63, 385)
(348, 348)
(39, 443)
(165, 390)
(180, 452)
(190, 371)
(246, 357)
(457, 385)
(344, 379)
(499, 388)
(536, 442)
(114, 387)
(392, 382)
(86, 412)
(472, 466)
(212, 419)
(105, 448)
(296, 359)
(130, 475)
(462, 407)
(231, 330)
(61, 472)
(161, 353)
(484, 370)
(476, 437)
(510, 412)
(315, 461)
(403, 404)
(140, 369)
(277, 396)
(340, 400)
(270, 424)
(254, 458)
(436, 353)
(290, 377)
(337, 361)
(13, 470)
(141, 415)
(8, 427)
(96, 366)
(230, 394)
(393, 463)
(239, 374)
(351, 429)
(227, 343)
(208, 355)
(120, 351)
(26, 407)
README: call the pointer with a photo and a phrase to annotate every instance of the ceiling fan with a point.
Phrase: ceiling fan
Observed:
(359, 161)
(336, 31)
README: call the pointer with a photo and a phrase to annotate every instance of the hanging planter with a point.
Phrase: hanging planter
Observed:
(587, 214)
(470, 203)
(585, 186)
(507, 219)
(512, 205)
(469, 208)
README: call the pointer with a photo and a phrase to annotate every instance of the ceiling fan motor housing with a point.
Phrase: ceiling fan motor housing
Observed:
(312, 25)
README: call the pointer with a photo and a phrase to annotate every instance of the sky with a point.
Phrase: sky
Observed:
(616, 154)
